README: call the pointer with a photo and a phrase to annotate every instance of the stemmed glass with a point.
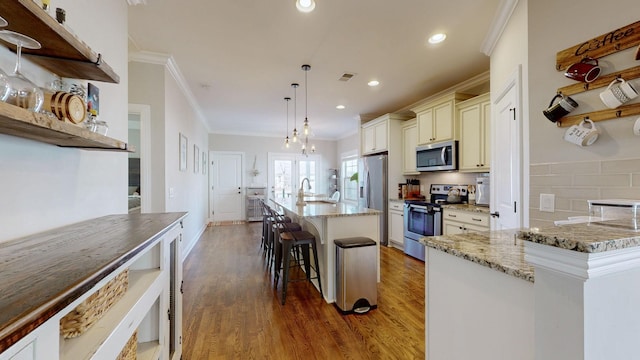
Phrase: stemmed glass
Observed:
(4, 83)
(22, 92)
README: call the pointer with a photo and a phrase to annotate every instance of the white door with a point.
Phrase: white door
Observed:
(226, 186)
(506, 188)
(286, 171)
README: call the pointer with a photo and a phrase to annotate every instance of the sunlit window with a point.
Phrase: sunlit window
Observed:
(350, 187)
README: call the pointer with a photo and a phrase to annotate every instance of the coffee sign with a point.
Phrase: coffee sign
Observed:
(603, 45)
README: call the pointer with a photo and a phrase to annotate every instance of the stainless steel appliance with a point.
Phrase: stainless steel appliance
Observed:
(438, 156)
(424, 218)
(421, 218)
(373, 190)
(483, 191)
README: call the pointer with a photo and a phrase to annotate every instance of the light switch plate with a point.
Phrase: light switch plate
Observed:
(172, 193)
(547, 202)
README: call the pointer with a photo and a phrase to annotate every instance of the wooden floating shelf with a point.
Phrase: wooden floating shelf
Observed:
(602, 81)
(23, 123)
(601, 115)
(62, 52)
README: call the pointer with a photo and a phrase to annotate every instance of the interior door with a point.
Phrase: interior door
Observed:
(286, 171)
(226, 186)
(506, 188)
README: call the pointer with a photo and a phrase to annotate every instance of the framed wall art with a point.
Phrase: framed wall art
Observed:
(196, 159)
(184, 143)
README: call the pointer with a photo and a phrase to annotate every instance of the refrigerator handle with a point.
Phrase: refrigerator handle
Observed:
(368, 186)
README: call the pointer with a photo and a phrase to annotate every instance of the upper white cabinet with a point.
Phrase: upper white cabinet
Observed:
(475, 143)
(436, 119)
(409, 143)
(376, 136)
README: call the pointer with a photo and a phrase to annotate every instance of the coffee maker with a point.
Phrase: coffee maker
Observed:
(483, 191)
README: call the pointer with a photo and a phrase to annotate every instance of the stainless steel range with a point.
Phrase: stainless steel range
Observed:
(424, 218)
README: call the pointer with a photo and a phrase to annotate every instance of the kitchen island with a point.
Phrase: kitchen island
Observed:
(328, 221)
(566, 292)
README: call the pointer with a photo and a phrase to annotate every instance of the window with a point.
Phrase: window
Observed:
(307, 169)
(349, 187)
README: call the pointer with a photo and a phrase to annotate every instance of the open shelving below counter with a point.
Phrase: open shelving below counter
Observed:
(62, 52)
(145, 287)
(26, 124)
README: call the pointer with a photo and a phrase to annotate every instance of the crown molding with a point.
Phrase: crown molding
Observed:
(170, 64)
(500, 20)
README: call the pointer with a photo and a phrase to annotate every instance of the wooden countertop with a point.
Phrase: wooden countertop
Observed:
(43, 273)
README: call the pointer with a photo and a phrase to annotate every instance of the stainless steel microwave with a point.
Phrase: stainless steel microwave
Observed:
(437, 156)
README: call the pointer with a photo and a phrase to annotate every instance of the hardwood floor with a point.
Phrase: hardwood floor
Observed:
(231, 309)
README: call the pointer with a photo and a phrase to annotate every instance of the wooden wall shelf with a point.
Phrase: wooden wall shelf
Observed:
(62, 52)
(19, 122)
(602, 81)
(600, 115)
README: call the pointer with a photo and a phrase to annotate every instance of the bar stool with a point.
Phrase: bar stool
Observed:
(279, 224)
(298, 241)
(267, 225)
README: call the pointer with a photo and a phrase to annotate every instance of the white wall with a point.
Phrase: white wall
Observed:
(171, 115)
(554, 26)
(44, 186)
(258, 148)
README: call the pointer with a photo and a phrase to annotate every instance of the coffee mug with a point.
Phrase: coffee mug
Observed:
(618, 94)
(583, 134)
(586, 70)
(556, 111)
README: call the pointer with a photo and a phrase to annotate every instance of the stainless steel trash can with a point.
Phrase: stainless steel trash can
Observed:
(356, 275)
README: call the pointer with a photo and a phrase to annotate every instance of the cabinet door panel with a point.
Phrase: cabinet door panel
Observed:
(443, 121)
(381, 137)
(425, 127)
(486, 108)
(369, 139)
(410, 141)
(451, 228)
(470, 137)
(396, 225)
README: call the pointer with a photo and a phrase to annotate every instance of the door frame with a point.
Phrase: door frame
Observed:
(271, 156)
(144, 112)
(514, 81)
(212, 157)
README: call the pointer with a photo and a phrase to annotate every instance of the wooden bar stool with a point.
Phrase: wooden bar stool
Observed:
(300, 241)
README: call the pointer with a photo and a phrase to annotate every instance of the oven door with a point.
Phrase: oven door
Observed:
(421, 220)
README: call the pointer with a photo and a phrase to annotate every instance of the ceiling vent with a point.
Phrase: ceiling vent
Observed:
(346, 77)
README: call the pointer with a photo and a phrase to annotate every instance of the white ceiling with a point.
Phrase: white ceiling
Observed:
(239, 57)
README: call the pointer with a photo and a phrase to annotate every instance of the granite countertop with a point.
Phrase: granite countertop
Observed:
(499, 250)
(585, 237)
(467, 207)
(322, 208)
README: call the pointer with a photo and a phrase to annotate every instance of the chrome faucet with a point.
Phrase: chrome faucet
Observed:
(300, 200)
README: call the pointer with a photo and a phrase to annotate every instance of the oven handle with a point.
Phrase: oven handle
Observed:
(422, 209)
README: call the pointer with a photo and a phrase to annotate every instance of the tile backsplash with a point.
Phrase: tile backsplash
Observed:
(574, 183)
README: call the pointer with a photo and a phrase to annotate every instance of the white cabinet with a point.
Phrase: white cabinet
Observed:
(375, 137)
(436, 119)
(463, 222)
(475, 142)
(148, 246)
(409, 143)
(396, 224)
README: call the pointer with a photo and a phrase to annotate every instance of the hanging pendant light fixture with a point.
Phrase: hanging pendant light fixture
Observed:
(286, 140)
(295, 110)
(305, 5)
(306, 127)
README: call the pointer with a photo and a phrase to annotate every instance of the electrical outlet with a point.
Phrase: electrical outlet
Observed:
(547, 202)
(172, 193)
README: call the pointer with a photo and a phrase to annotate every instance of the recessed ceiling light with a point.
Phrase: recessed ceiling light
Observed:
(305, 5)
(340, 107)
(373, 83)
(437, 38)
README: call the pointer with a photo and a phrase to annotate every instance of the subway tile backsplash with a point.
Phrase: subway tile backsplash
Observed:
(576, 182)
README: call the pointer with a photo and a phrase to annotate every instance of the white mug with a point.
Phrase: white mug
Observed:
(618, 94)
(582, 134)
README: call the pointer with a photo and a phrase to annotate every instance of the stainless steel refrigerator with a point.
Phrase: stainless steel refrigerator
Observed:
(373, 190)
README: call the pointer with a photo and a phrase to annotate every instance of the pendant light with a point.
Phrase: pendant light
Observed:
(306, 129)
(295, 110)
(286, 140)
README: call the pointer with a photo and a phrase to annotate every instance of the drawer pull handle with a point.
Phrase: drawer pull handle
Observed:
(475, 219)
(451, 215)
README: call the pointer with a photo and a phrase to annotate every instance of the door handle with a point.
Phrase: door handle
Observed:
(495, 214)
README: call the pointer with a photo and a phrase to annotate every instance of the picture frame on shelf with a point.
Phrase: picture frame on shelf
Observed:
(204, 163)
(184, 145)
(196, 159)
